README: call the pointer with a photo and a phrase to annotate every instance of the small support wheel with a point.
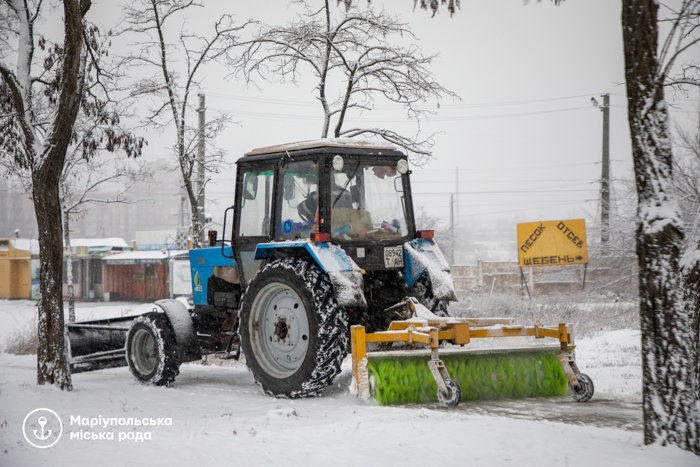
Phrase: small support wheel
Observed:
(585, 390)
(452, 396)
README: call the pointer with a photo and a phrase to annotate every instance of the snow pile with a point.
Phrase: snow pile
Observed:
(613, 359)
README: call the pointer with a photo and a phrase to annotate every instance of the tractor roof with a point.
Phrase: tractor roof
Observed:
(346, 143)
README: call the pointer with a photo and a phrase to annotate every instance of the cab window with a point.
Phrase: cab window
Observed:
(299, 211)
(255, 204)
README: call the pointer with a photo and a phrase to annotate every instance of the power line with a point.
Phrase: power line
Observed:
(523, 167)
(522, 209)
(461, 118)
(543, 205)
(526, 180)
(510, 115)
(516, 102)
(445, 193)
(305, 103)
(504, 203)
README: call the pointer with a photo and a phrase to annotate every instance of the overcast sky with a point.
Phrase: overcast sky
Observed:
(524, 139)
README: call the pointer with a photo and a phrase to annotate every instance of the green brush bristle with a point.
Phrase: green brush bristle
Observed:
(504, 375)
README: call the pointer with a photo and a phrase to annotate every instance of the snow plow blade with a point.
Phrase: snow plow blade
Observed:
(416, 376)
(98, 344)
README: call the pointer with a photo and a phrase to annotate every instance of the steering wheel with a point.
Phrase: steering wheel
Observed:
(307, 209)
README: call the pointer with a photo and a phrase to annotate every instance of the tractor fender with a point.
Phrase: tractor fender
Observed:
(423, 255)
(185, 333)
(345, 275)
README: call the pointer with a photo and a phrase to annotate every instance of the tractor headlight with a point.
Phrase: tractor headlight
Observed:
(338, 163)
(402, 166)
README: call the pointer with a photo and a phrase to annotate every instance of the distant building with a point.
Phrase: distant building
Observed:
(152, 205)
(19, 267)
(16, 211)
(146, 275)
(155, 239)
(15, 271)
(87, 254)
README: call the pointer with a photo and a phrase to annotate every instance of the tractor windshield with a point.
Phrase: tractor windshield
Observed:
(367, 202)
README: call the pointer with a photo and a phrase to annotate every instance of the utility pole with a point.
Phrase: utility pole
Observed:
(455, 223)
(181, 240)
(200, 170)
(452, 227)
(457, 196)
(605, 176)
(605, 179)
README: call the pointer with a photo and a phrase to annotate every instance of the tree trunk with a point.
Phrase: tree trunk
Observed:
(197, 221)
(69, 267)
(346, 102)
(53, 366)
(197, 224)
(668, 323)
(324, 74)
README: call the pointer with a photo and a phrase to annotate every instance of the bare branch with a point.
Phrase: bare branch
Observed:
(355, 58)
(176, 67)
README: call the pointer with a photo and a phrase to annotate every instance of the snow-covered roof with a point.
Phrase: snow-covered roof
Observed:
(26, 244)
(147, 256)
(98, 242)
(320, 143)
(95, 245)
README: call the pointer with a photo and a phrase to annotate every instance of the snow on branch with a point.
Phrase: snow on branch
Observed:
(419, 148)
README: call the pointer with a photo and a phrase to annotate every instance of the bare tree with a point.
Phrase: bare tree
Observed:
(175, 66)
(356, 57)
(40, 99)
(82, 184)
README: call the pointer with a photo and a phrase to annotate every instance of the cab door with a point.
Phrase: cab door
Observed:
(253, 215)
(299, 200)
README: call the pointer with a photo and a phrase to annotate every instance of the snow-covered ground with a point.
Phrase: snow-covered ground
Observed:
(217, 414)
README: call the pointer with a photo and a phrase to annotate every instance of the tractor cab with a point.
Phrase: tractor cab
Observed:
(357, 196)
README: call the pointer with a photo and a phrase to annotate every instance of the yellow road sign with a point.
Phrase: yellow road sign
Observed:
(552, 243)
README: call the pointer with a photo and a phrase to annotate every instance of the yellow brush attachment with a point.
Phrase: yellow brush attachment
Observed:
(404, 377)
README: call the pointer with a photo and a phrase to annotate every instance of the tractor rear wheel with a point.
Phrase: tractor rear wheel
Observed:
(293, 333)
(151, 351)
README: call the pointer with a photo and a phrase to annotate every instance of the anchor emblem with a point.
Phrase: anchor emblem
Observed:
(45, 434)
(43, 437)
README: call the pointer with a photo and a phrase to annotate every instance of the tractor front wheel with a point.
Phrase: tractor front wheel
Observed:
(293, 333)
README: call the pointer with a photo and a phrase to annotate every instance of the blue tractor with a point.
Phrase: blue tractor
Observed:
(323, 236)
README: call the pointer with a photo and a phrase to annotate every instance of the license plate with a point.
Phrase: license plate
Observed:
(393, 256)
